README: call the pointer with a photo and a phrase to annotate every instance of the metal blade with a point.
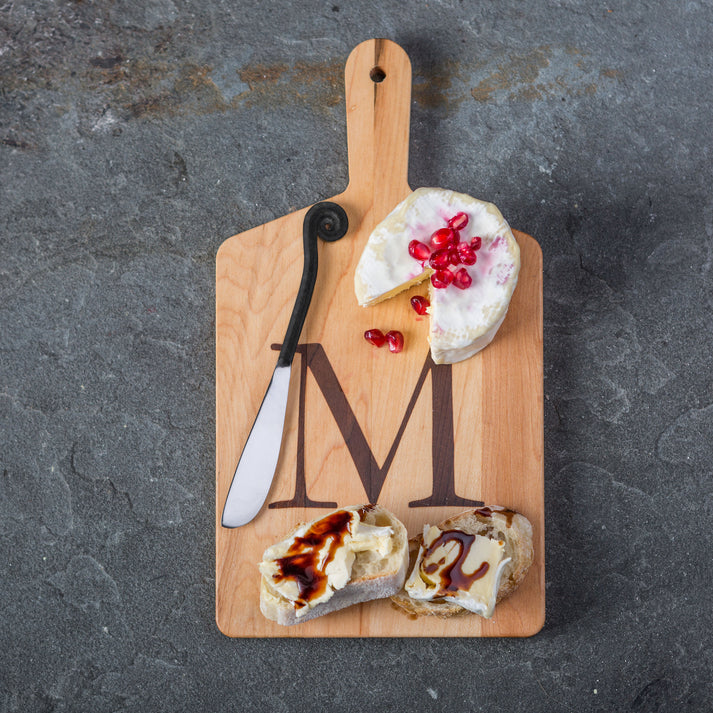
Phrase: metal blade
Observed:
(258, 461)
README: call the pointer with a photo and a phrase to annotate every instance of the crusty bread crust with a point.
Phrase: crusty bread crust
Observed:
(373, 576)
(490, 521)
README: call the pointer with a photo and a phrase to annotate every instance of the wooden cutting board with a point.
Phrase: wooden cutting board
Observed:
(363, 424)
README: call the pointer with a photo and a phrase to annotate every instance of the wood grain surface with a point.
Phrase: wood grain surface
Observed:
(347, 397)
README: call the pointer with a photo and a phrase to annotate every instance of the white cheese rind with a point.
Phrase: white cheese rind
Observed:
(462, 321)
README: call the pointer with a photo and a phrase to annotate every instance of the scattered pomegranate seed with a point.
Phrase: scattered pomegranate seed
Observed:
(458, 221)
(443, 237)
(420, 304)
(395, 340)
(467, 254)
(462, 279)
(453, 256)
(419, 250)
(475, 243)
(375, 337)
(440, 259)
(440, 279)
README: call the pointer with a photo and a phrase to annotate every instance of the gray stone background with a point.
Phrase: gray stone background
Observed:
(136, 136)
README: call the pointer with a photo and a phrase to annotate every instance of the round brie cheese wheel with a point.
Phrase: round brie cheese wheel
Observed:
(462, 321)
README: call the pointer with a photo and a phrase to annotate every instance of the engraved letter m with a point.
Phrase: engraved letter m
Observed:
(373, 476)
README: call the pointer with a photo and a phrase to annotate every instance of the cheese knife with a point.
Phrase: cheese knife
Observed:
(257, 464)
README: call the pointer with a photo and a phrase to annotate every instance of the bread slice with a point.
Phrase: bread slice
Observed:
(491, 521)
(373, 575)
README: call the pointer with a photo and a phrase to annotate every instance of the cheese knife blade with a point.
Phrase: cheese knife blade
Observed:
(258, 462)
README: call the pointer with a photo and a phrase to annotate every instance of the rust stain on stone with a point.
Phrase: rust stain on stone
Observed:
(317, 84)
(329, 73)
(517, 70)
(439, 90)
(148, 105)
(529, 94)
(156, 85)
(432, 92)
(572, 50)
(129, 75)
(609, 73)
(157, 89)
(195, 85)
(324, 80)
(261, 74)
(531, 76)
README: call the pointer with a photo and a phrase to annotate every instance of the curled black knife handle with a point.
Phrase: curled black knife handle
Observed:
(328, 221)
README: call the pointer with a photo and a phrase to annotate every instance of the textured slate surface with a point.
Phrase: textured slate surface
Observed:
(135, 137)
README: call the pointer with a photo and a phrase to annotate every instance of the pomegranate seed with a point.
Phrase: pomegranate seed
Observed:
(475, 243)
(440, 259)
(453, 256)
(419, 250)
(395, 340)
(440, 279)
(443, 237)
(467, 254)
(420, 304)
(462, 279)
(375, 337)
(458, 221)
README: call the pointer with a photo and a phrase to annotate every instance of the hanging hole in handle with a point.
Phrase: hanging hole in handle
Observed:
(377, 75)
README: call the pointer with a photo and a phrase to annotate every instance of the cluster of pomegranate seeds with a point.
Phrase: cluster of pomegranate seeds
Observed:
(394, 339)
(420, 304)
(446, 250)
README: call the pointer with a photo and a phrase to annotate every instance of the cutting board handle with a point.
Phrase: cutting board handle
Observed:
(378, 99)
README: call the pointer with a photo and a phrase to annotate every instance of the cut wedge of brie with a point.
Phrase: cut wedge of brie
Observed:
(462, 321)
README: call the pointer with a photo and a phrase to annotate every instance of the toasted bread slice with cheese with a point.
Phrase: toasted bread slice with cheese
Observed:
(494, 522)
(351, 555)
